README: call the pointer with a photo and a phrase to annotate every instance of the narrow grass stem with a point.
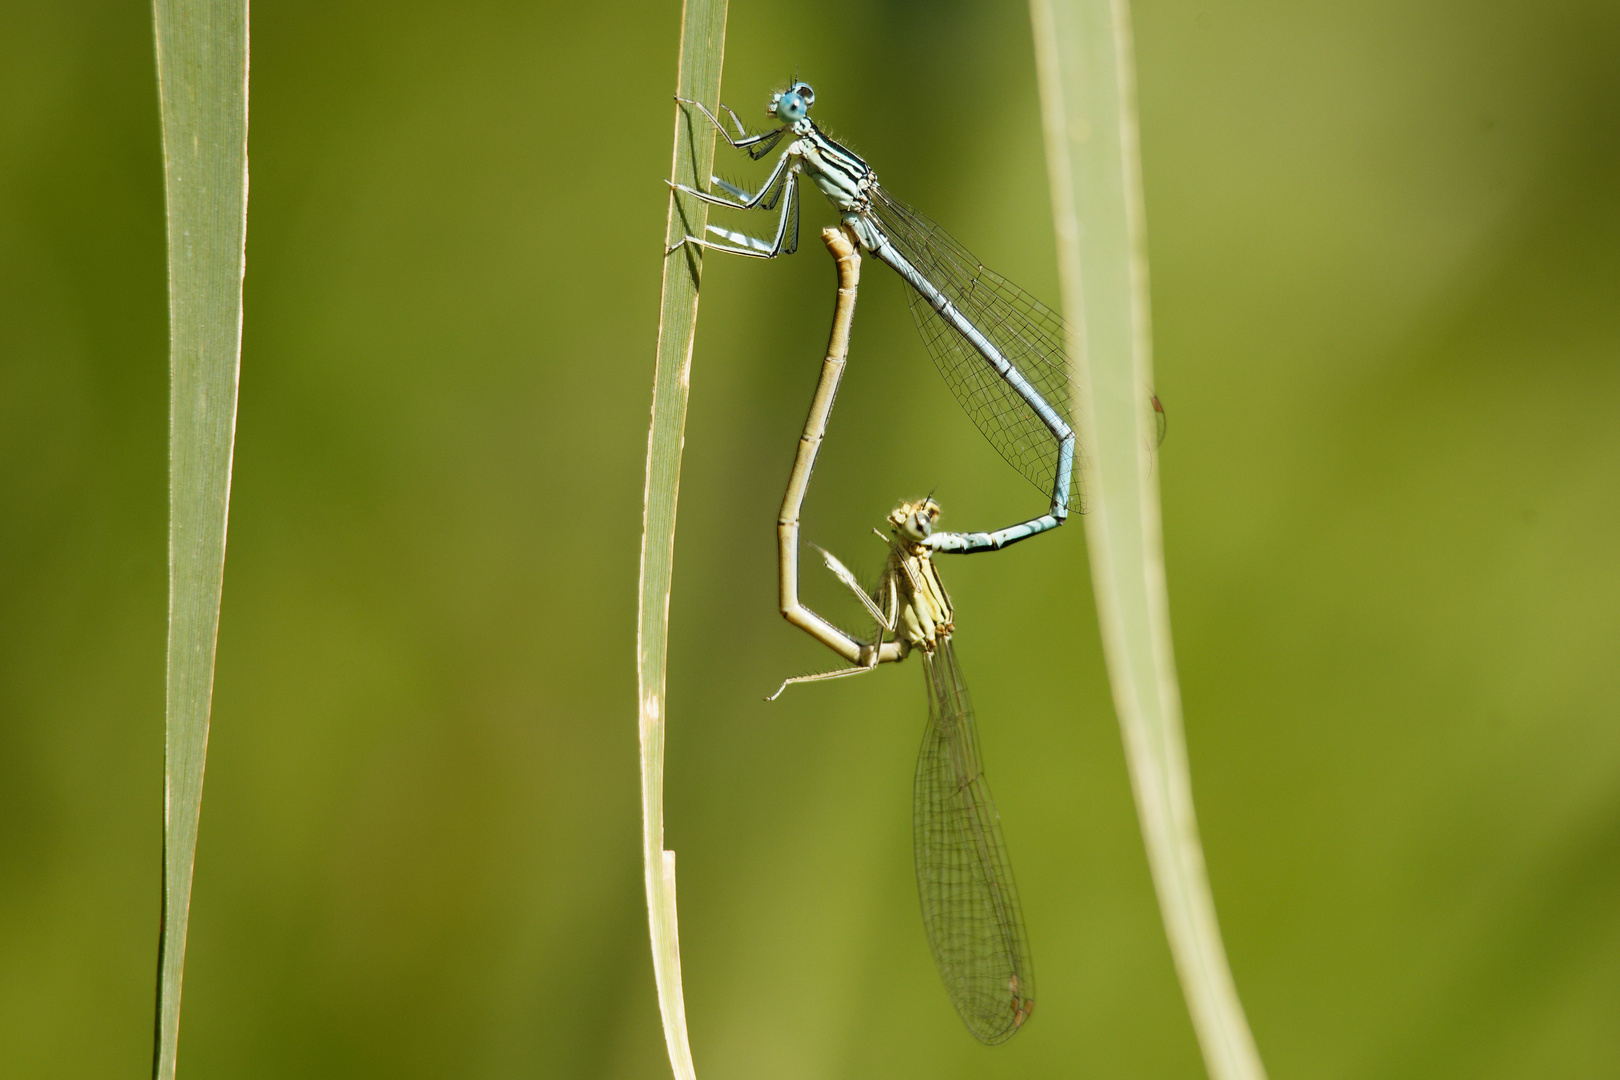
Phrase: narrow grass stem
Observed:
(1084, 55)
(703, 33)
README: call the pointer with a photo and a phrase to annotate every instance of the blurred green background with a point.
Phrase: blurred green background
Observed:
(1386, 250)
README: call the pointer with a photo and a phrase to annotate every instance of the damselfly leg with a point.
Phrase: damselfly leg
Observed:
(885, 617)
(757, 145)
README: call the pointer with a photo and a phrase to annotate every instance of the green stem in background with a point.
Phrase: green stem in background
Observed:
(1083, 52)
(703, 37)
(202, 61)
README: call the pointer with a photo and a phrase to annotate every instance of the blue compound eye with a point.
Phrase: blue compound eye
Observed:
(791, 105)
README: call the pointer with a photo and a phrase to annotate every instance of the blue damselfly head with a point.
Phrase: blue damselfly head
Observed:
(791, 105)
(914, 521)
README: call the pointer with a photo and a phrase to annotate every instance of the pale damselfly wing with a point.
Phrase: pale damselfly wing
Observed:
(1001, 351)
(964, 879)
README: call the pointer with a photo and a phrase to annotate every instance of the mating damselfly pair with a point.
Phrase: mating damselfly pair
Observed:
(1003, 355)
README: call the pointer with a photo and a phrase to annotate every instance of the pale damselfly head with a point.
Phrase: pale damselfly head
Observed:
(914, 521)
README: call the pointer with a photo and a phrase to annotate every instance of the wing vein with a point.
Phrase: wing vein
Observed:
(964, 879)
(1027, 332)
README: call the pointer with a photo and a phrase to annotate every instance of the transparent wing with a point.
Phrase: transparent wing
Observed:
(1028, 333)
(969, 904)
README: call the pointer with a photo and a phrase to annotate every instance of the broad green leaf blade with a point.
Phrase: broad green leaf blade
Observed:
(1088, 100)
(703, 36)
(202, 54)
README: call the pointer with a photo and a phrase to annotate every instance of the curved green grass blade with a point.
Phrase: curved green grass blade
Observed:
(1088, 99)
(703, 35)
(202, 55)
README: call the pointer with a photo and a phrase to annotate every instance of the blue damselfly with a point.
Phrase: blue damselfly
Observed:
(1001, 351)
